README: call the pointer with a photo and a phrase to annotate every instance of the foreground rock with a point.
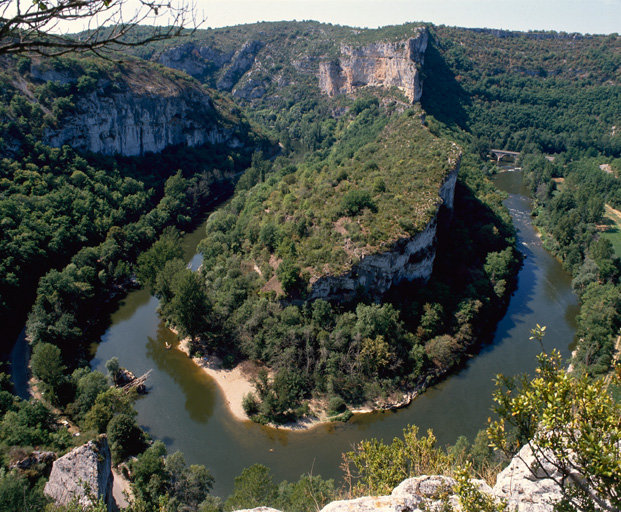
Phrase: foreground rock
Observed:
(423, 493)
(516, 485)
(525, 490)
(84, 473)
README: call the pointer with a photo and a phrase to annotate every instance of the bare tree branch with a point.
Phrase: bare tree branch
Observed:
(45, 26)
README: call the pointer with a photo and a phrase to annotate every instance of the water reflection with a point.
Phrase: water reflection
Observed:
(198, 389)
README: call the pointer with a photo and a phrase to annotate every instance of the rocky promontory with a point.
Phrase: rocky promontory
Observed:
(517, 486)
(409, 259)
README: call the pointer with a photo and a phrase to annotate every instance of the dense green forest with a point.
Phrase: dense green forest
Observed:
(568, 211)
(54, 202)
(353, 173)
(556, 98)
(355, 350)
(526, 91)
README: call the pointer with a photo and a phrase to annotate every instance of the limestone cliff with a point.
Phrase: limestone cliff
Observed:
(260, 61)
(381, 64)
(526, 490)
(419, 494)
(134, 112)
(84, 473)
(409, 259)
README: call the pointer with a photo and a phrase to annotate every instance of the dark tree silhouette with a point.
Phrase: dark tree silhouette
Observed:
(45, 26)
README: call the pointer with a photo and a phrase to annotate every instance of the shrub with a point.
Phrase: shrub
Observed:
(125, 437)
(355, 201)
(289, 276)
(443, 351)
(336, 405)
(250, 404)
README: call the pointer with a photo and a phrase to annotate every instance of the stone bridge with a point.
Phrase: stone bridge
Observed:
(501, 153)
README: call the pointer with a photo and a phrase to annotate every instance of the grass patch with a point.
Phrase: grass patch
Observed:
(612, 220)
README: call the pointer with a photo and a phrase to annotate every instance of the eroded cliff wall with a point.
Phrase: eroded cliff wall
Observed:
(410, 259)
(381, 64)
(265, 63)
(141, 110)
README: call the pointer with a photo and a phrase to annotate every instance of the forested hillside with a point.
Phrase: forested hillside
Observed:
(55, 201)
(548, 92)
(358, 173)
(315, 133)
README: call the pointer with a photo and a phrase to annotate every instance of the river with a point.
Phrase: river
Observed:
(185, 409)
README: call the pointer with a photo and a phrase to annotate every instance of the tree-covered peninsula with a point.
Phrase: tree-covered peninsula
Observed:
(355, 250)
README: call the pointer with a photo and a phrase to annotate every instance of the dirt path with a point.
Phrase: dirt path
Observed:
(614, 213)
(120, 489)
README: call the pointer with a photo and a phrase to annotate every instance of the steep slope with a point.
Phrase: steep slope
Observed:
(255, 62)
(57, 192)
(384, 64)
(130, 108)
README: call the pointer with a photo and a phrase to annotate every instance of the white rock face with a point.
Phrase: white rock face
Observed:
(525, 491)
(380, 64)
(432, 494)
(134, 117)
(420, 494)
(371, 504)
(409, 260)
(84, 473)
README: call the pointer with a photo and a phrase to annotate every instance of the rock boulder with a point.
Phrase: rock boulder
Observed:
(84, 473)
(525, 484)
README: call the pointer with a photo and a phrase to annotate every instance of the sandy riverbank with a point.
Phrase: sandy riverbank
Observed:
(236, 383)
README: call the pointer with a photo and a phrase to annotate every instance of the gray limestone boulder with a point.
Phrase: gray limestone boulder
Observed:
(372, 504)
(525, 484)
(85, 474)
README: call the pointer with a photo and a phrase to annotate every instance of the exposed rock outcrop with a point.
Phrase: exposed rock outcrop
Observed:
(524, 490)
(423, 493)
(224, 69)
(382, 64)
(409, 259)
(435, 493)
(194, 59)
(242, 61)
(259, 509)
(140, 111)
(84, 473)
(35, 458)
